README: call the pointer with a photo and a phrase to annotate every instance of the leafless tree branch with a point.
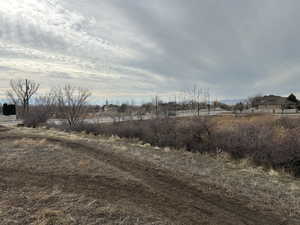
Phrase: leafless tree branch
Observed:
(22, 91)
(71, 102)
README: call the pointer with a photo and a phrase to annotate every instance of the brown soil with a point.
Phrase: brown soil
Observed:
(152, 192)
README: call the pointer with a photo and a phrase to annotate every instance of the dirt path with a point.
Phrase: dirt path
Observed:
(159, 192)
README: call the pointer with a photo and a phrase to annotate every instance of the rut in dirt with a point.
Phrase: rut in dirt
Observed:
(160, 192)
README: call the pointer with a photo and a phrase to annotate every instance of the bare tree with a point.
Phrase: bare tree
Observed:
(71, 102)
(41, 110)
(13, 99)
(21, 92)
(198, 98)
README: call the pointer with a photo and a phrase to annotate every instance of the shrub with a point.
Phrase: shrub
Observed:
(271, 143)
(266, 144)
(35, 118)
(37, 115)
(196, 134)
(287, 123)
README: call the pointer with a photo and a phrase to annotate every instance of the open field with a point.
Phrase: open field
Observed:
(51, 177)
(8, 120)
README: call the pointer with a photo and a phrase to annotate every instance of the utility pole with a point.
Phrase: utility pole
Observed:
(156, 106)
(175, 105)
(208, 94)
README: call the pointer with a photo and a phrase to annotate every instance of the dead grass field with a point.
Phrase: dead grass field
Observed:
(48, 177)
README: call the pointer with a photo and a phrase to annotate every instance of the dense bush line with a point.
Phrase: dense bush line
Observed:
(271, 143)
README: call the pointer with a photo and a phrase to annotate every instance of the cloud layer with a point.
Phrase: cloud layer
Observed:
(139, 48)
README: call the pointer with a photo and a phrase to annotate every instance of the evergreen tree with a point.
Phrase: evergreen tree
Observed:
(292, 98)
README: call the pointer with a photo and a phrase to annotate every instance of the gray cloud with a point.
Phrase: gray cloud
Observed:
(235, 48)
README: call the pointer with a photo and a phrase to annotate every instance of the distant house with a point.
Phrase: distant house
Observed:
(273, 103)
(110, 108)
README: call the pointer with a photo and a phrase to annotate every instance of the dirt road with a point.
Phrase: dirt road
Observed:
(154, 194)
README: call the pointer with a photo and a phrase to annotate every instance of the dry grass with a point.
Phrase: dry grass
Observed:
(268, 189)
(51, 205)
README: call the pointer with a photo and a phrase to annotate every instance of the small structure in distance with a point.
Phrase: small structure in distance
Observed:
(9, 110)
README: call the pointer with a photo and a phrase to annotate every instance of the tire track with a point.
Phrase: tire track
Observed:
(168, 196)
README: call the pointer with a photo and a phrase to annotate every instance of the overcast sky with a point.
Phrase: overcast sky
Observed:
(143, 47)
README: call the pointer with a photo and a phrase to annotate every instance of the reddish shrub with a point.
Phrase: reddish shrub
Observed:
(268, 143)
